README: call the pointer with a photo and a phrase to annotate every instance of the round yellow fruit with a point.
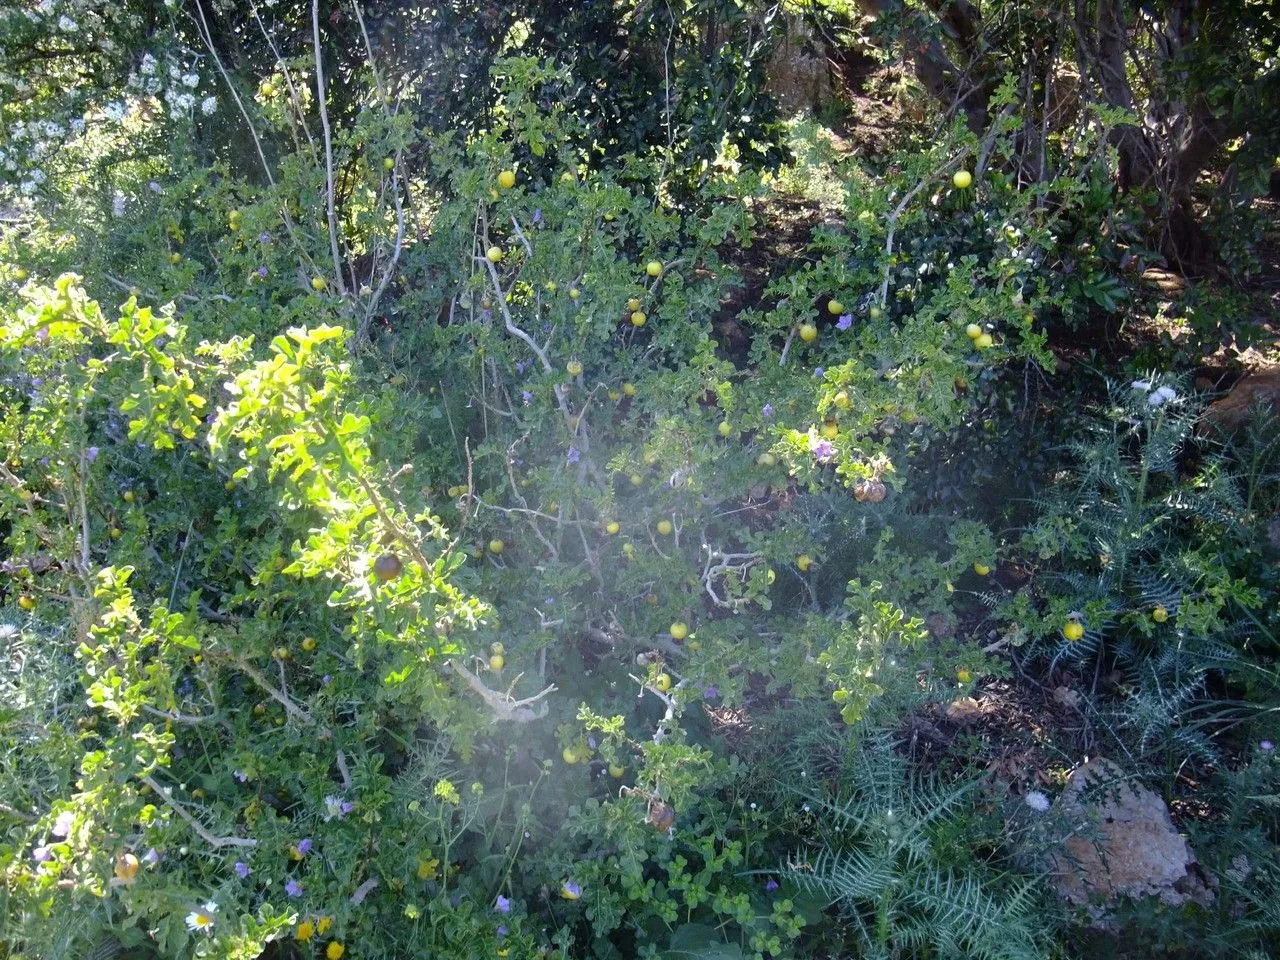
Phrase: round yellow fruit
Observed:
(496, 546)
(616, 770)
(664, 527)
(308, 644)
(662, 682)
(830, 429)
(613, 528)
(567, 177)
(1159, 614)
(128, 496)
(317, 283)
(175, 258)
(633, 304)
(115, 533)
(27, 602)
(497, 662)
(550, 286)
(963, 179)
(875, 313)
(636, 479)
(1073, 630)
(679, 631)
(268, 89)
(638, 318)
(984, 341)
(653, 268)
(842, 400)
(259, 709)
(629, 389)
(574, 293)
(804, 562)
(725, 428)
(964, 675)
(126, 867)
(573, 367)
(973, 331)
(507, 179)
(835, 307)
(495, 255)
(569, 755)
(281, 653)
(20, 274)
(981, 569)
(650, 459)
(808, 332)
(766, 460)
(389, 163)
(615, 395)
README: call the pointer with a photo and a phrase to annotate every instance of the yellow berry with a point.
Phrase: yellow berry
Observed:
(830, 429)
(835, 307)
(507, 179)
(27, 602)
(1073, 630)
(973, 331)
(766, 459)
(662, 682)
(638, 318)
(981, 569)
(497, 662)
(1159, 614)
(495, 255)
(629, 389)
(496, 546)
(984, 341)
(679, 631)
(616, 770)
(175, 258)
(725, 428)
(808, 332)
(389, 163)
(653, 268)
(842, 400)
(633, 304)
(963, 179)
(804, 562)
(309, 644)
(569, 755)
(317, 283)
(664, 527)
(964, 675)
(573, 367)
(612, 528)
(636, 480)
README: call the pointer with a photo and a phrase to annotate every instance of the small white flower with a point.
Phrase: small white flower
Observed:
(148, 66)
(115, 111)
(1166, 394)
(209, 106)
(202, 920)
(1140, 385)
(190, 80)
(46, 6)
(77, 126)
(1036, 800)
(117, 204)
(27, 187)
(67, 25)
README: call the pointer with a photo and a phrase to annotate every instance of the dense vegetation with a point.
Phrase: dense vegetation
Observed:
(483, 480)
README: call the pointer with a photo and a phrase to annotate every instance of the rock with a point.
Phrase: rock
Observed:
(1235, 408)
(1122, 844)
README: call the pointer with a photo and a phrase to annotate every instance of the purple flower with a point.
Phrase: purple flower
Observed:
(570, 890)
(819, 372)
(574, 455)
(520, 365)
(263, 271)
(711, 693)
(304, 846)
(91, 454)
(62, 826)
(591, 742)
(347, 806)
(845, 321)
(771, 886)
(41, 854)
(42, 334)
(821, 449)
(152, 857)
(242, 869)
(293, 888)
(526, 396)
(327, 679)
(240, 775)
(264, 237)
(503, 904)
(537, 215)
(1267, 746)
(767, 411)
(502, 930)
(550, 601)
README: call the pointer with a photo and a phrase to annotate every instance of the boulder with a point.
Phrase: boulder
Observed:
(1122, 843)
(1234, 409)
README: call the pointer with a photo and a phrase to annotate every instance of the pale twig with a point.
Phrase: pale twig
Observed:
(291, 708)
(323, 109)
(501, 705)
(673, 705)
(196, 825)
(897, 212)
